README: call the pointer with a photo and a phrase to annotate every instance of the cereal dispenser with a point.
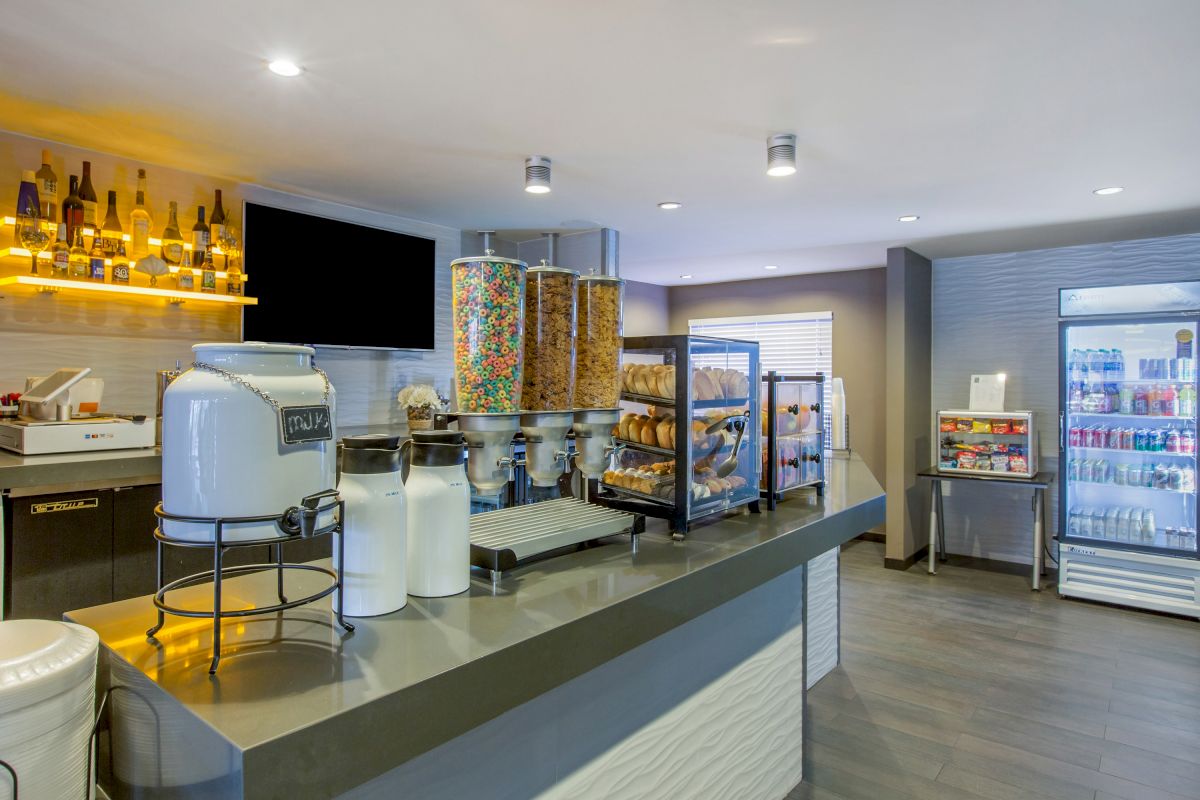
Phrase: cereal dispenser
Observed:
(489, 319)
(548, 381)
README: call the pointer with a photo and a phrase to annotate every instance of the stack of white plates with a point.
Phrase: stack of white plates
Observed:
(47, 698)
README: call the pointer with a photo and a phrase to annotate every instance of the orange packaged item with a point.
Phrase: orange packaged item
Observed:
(948, 425)
(1001, 426)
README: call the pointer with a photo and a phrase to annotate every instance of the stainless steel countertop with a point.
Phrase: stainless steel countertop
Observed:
(292, 692)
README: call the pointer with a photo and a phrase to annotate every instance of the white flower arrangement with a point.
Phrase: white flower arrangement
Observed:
(420, 395)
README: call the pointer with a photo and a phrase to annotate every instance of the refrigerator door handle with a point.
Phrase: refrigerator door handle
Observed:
(1062, 443)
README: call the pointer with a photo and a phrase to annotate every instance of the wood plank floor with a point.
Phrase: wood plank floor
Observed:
(967, 685)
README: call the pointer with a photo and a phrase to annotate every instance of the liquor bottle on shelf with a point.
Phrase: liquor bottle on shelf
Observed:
(47, 184)
(172, 237)
(96, 260)
(139, 220)
(78, 257)
(233, 277)
(72, 209)
(216, 223)
(208, 273)
(110, 231)
(185, 279)
(88, 195)
(120, 265)
(60, 254)
(27, 194)
(200, 238)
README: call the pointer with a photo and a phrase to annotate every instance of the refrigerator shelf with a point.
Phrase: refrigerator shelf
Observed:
(1146, 417)
(1150, 453)
(1186, 492)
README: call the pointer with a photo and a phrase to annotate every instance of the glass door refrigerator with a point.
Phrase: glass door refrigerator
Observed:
(1127, 468)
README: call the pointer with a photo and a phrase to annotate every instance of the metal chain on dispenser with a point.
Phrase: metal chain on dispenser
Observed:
(238, 379)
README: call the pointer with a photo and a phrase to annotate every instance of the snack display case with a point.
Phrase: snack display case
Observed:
(686, 400)
(794, 438)
(987, 443)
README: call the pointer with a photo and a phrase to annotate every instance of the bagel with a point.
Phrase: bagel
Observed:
(624, 425)
(665, 440)
(649, 432)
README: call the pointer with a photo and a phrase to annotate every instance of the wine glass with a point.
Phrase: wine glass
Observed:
(32, 235)
(228, 241)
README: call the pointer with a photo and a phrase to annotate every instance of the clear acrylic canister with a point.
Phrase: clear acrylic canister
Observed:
(549, 370)
(489, 321)
(598, 348)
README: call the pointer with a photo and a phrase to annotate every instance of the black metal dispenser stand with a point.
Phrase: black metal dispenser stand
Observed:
(295, 523)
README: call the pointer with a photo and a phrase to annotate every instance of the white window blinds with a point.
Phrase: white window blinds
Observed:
(790, 344)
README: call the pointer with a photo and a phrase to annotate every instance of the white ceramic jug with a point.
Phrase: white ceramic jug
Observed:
(439, 509)
(375, 525)
(224, 449)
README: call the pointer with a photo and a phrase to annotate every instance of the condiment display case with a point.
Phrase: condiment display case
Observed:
(986, 443)
(794, 438)
(686, 400)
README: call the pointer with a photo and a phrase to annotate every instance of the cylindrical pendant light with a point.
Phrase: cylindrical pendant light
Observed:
(781, 154)
(537, 175)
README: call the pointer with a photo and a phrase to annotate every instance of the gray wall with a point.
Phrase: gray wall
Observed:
(856, 298)
(999, 313)
(907, 382)
(647, 309)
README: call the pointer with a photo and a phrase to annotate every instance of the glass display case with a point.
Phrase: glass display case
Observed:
(793, 434)
(986, 443)
(686, 400)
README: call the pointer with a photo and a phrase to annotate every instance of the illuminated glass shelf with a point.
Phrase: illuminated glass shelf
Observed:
(45, 256)
(171, 295)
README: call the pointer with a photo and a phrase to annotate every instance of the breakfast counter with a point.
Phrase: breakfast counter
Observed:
(678, 663)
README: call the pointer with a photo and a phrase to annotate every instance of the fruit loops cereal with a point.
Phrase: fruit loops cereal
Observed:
(489, 317)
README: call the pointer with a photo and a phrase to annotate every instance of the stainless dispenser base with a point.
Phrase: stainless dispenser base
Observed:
(502, 539)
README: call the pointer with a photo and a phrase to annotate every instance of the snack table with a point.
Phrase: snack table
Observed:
(937, 531)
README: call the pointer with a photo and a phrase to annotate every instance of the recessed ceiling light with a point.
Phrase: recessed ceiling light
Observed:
(670, 205)
(537, 175)
(281, 66)
(908, 218)
(781, 155)
(1109, 190)
(686, 277)
(771, 266)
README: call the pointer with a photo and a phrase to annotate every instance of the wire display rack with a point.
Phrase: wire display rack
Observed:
(297, 522)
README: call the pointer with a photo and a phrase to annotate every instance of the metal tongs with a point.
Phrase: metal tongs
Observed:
(732, 422)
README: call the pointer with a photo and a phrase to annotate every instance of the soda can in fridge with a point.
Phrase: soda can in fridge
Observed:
(1162, 476)
(1148, 527)
(1134, 476)
(1121, 475)
(1187, 479)
(1073, 470)
(1113, 439)
(1085, 470)
(1175, 479)
(1075, 436)
(1073, 522)
(1123, 524)
(1148, 475)
(1141, 439)
(1111, 518)
(1172, 442)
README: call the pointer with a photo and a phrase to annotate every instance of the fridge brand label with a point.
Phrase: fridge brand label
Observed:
(1146, 298)
(301, 424)
(65, 505)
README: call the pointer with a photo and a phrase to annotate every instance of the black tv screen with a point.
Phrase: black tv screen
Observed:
(321, 281)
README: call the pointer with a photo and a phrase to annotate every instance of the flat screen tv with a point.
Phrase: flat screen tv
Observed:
(322, 281)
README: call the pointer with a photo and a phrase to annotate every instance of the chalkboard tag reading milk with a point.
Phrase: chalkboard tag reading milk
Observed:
(301, 424)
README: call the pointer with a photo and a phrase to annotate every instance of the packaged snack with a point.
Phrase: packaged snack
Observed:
(999, 463)
(947, 463)
(1001, 426)
(962, 425)
(1018, 426)
(981, 426)
(948, 425)
(967, 460)
(1017, 463)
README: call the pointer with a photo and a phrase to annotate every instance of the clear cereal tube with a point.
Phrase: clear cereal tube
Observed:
(598, 349)
(488, 296)
(549, 369)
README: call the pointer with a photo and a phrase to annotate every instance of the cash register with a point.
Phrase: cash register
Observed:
(60, 414)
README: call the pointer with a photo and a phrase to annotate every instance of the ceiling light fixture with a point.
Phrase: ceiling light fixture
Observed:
(781, 154)
(281, 66)
(908, 218)
(686, 277)
(1109, 190)
(537, 175)
(670, 205)
(771, 266)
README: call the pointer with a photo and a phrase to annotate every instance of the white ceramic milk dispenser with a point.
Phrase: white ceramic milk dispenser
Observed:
(439, 509)
(375, 524)
(247, 431)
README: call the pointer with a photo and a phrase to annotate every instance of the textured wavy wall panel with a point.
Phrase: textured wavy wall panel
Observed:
(126, 341)
(712, 709)
(822, 618)
(999, 313)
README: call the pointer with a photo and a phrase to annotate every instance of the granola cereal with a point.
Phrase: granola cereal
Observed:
(549, 369)
(598, 348)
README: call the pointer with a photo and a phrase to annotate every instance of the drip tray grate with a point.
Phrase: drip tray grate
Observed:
(502, 539)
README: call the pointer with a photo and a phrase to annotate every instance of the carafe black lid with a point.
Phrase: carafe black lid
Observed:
(372, 441)
(437, 449)
(437, 437)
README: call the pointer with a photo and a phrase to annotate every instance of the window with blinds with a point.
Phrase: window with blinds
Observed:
(790, 344)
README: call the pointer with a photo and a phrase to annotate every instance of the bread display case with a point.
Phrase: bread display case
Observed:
(686, 400)
(793, 434)
(986, 443)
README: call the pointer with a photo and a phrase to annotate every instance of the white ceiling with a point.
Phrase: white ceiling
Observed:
(978, 116)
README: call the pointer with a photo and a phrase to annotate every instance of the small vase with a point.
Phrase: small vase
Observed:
(420, 419)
